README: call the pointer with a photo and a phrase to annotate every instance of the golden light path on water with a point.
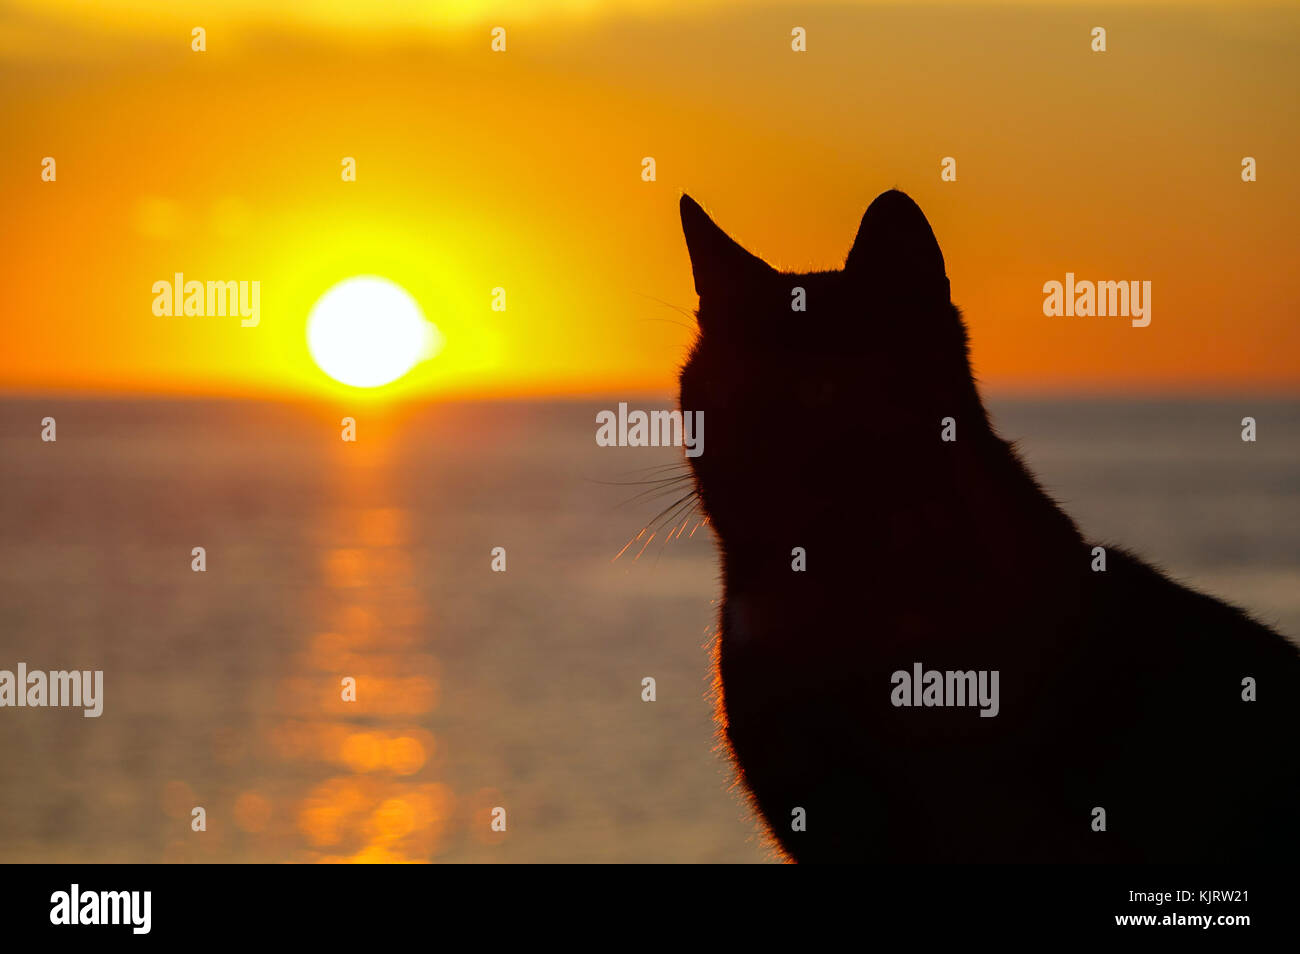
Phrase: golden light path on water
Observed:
(383, 801)
(339, 579)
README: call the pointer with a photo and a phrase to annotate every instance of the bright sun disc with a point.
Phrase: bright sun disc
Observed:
(367, 332)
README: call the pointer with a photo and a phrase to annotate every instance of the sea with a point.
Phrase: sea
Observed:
(432, 644)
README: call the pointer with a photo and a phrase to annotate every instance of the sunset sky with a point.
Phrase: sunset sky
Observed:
(523, 170)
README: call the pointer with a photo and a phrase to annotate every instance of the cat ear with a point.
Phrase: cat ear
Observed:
(896, 248)
(720, 265)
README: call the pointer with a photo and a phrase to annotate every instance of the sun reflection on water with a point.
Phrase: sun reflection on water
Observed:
(383, 803)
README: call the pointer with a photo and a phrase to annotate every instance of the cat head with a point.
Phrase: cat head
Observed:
(803, 406)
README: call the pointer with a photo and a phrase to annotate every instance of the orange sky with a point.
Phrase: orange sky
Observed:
(522, 170)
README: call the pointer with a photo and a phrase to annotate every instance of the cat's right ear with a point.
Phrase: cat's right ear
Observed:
(722, 268)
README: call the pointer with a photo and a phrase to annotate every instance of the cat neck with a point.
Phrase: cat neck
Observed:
(970, 508)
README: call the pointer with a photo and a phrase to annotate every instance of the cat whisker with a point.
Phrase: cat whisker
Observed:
(675, 517)
(654, 493)
(638, 536)
(677, 530)
(685, 506)
(675, 465)
(624, 550)
(642, 550)
(680, 309)
(637, 483)
(671, 510)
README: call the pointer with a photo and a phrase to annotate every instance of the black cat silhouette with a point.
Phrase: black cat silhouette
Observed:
(1125, 728)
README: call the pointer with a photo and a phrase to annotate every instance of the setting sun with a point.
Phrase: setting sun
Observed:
(368, 331)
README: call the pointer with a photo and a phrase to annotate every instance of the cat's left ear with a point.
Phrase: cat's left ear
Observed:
(896, 249)
(722, 267)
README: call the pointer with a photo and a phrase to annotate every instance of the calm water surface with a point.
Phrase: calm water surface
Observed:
(475, 689)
